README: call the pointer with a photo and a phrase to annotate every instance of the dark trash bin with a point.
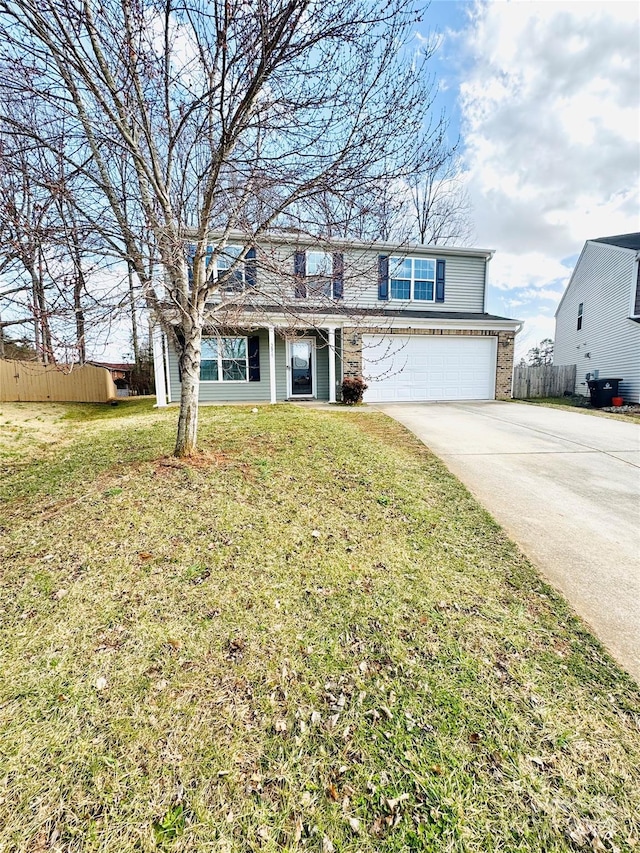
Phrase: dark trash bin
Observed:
(602, 391)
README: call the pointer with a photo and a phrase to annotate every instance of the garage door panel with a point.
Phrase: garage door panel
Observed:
(419, 367)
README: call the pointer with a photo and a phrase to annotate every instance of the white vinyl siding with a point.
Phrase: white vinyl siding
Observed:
(425, 367)
(608, 342)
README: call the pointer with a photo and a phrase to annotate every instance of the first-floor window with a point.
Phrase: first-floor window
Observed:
(224, 360)
(412, 278)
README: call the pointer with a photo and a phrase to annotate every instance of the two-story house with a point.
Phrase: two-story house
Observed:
(598, 318)
(298, 316)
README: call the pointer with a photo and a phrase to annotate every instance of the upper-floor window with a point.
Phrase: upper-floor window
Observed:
(319, 274)
(232, 275)
(224, 360)
(412, 278)
(580, 307)
(230, 279)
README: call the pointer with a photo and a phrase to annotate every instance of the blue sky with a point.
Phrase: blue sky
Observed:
(545, 95)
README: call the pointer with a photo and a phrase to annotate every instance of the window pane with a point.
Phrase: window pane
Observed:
(425, 270)
(227, 257)
(423, 290)
(400, 267)
(209, 348)
(400, 289)
(318, 263)
(234, 347)
(209, 370)
(233, 371)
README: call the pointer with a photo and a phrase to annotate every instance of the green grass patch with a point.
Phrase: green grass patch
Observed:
(308, 637)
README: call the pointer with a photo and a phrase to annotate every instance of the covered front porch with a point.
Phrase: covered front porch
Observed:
(268, 363)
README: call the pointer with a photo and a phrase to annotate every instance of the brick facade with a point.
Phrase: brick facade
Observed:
(352, 350)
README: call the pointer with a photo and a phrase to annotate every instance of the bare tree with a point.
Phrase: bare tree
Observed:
(228, 115)
(541, 354)
(47, 253)
(440, 208)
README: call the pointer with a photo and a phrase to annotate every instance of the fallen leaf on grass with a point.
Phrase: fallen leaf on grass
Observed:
(354, 823)
(101, 683)
(297, 830)
(332, 792)
(393, 804)
(327, 846)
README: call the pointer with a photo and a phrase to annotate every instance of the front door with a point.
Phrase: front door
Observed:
(301, 367)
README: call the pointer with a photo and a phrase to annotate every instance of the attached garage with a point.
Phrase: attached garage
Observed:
(428, 367)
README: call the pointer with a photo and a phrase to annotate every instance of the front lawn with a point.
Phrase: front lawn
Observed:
(309, 637)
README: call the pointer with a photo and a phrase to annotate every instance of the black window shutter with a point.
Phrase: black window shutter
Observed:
(338, 275)
(383, 277)
(250, 270)
(440, 270)
(191, 250)
(254, 359)
(300, 272)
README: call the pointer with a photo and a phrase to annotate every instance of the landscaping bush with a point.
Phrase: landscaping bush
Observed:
(352, 390)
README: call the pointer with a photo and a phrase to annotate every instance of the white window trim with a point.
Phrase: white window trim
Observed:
(412, 280)
(220, 380)
(312, 279)
(239, 268)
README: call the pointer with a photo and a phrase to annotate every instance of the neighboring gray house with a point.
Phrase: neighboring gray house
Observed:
(598, 319)
(298, 316)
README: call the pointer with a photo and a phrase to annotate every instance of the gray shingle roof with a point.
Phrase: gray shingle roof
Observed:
(624, 241)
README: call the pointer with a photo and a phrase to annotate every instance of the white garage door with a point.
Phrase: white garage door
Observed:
(421, 367)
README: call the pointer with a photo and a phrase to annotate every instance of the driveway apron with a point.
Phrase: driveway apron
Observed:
(565, 486)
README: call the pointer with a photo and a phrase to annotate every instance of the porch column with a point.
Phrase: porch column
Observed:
(272, 363)
(331, 340)
(158, 367)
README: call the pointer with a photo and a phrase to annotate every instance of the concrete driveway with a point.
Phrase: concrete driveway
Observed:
(566, 487)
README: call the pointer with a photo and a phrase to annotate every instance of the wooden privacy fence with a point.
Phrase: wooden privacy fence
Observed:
(545, 380)
(30, 382)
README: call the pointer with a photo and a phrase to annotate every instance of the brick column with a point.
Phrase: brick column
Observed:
(351, 353)
(504, 366)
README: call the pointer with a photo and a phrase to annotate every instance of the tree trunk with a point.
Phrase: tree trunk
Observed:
(190, 371)
(79, 314)
(134, 322)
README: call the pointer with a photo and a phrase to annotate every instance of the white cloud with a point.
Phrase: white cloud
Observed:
(510, 270)
(551, 124)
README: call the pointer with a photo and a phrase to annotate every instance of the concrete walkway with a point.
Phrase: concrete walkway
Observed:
(565, 486)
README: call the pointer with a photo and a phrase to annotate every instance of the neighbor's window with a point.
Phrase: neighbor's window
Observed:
(224, 360)
(580, 307)
(412, 279)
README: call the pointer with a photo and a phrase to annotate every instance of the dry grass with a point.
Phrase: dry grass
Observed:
(310, 637)
(581, 404)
